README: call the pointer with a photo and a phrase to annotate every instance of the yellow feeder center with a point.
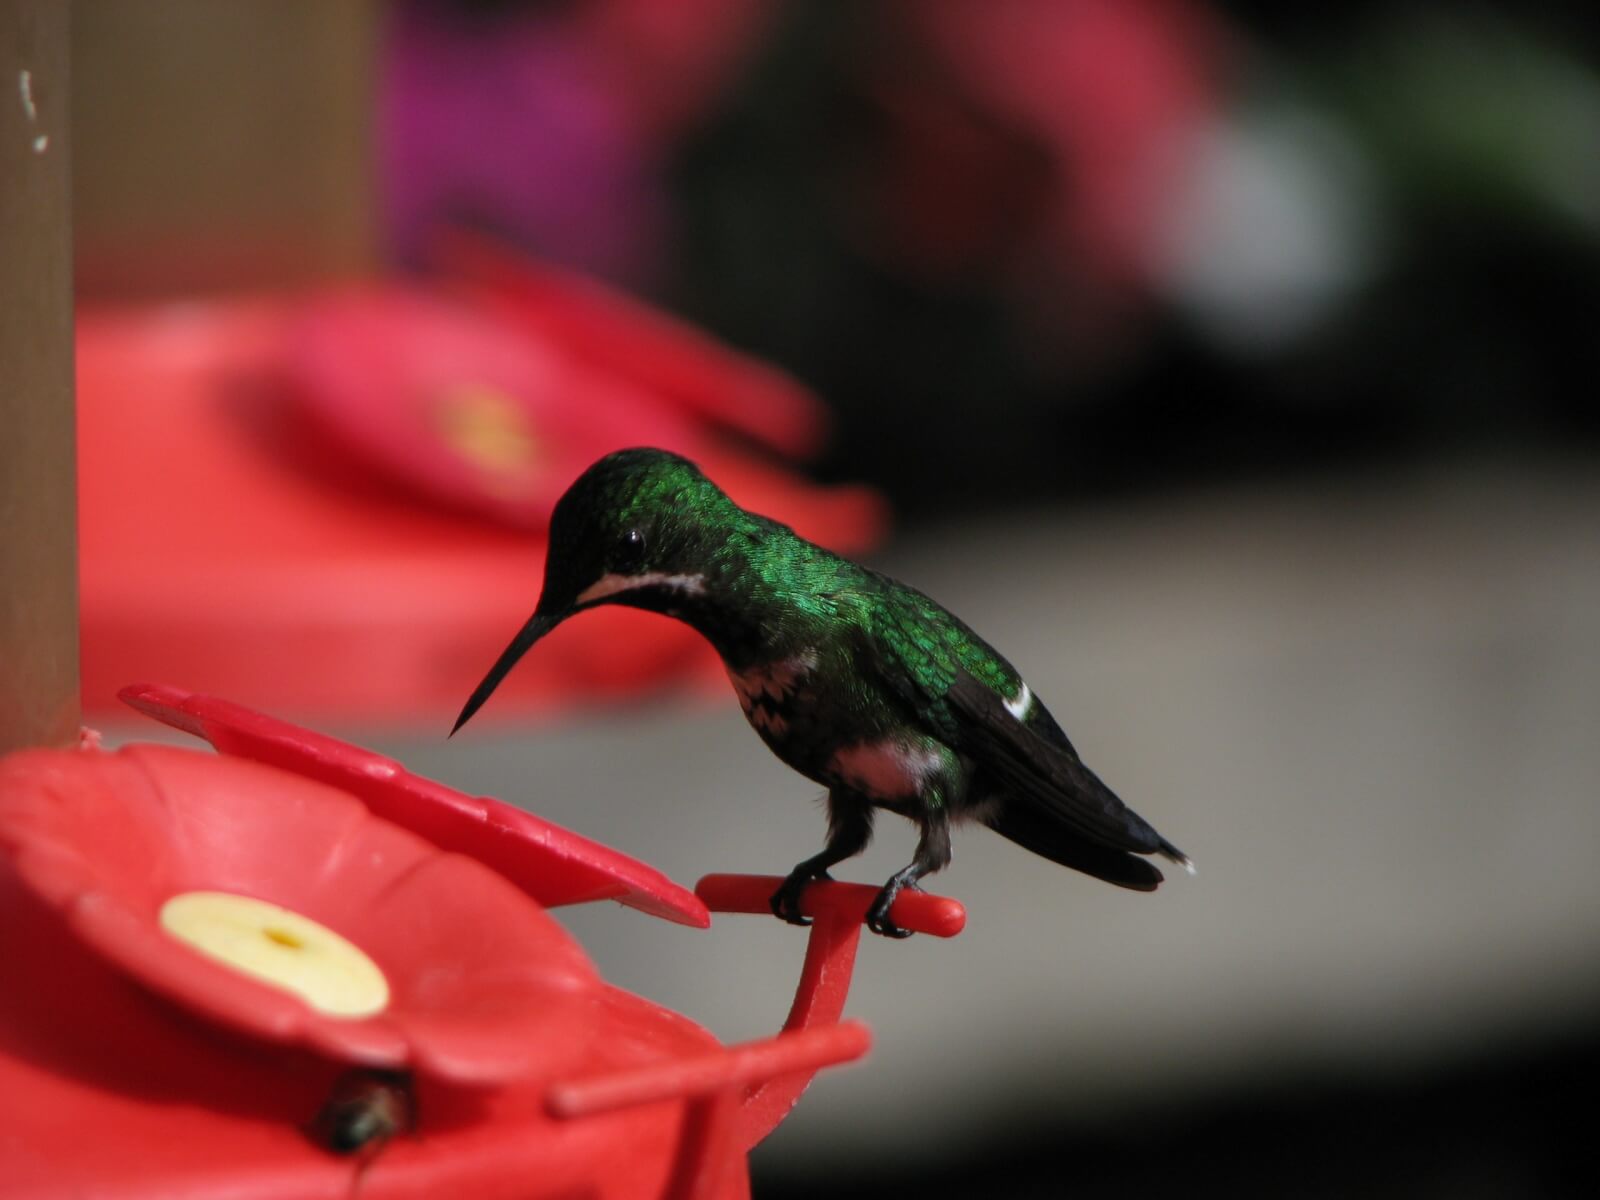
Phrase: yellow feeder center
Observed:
(280, 948)
(490, 430)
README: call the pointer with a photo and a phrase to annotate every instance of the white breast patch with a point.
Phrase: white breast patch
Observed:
(890, 769)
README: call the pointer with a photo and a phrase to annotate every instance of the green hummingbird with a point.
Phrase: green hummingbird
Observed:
(855, 680)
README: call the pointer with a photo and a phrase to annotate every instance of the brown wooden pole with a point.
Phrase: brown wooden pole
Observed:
(38, 470)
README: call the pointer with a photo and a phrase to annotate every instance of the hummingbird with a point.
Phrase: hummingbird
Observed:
(855, 680)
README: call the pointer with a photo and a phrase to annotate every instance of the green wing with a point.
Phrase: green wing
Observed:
(918, 650)
(956, 685)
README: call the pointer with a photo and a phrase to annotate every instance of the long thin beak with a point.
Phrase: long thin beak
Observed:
(538, 625)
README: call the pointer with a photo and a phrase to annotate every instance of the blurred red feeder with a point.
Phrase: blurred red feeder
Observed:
(454, 402)
(358, 485)
(151, 1056)
(668, 358)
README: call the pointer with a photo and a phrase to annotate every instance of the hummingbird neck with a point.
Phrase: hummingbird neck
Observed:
(741, 632)
(762, 595)
(740, 637)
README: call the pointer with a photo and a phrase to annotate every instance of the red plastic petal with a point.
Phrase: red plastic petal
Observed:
(108, 1092)
(551, 864)
(668, 357)
(456, 402)
(483, 985)
(725, 1067)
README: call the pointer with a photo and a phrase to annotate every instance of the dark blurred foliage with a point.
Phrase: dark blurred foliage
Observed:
(1031, 249)
(1513, 1125)
(1472, 329)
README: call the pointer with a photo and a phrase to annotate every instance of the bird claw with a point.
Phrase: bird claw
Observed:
(785, 901)
(878, 915)
(884, 927)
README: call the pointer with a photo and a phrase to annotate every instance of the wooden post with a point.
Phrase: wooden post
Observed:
(38, 471)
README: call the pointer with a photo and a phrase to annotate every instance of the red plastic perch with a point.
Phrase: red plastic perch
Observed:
(838, 911)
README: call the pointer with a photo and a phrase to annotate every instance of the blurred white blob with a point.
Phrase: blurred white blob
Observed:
(1273, 228)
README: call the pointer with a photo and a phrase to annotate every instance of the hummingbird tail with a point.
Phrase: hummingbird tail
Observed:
(1033, 829)
(1168, 851)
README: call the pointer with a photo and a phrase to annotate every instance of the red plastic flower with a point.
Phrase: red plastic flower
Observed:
(475, 979)
(553, 865)
(111, 865)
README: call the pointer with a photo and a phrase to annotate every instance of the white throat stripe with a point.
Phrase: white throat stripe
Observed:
(610, 585)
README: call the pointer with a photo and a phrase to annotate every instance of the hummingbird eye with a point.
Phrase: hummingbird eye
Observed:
(630, 552)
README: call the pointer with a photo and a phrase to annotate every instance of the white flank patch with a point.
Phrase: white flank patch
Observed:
(610, 585)
(1019, 705)
(886, 770)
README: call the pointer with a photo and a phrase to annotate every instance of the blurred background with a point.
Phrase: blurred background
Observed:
(1230, 366)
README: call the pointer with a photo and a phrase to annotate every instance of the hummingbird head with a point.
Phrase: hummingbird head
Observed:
(640, 527)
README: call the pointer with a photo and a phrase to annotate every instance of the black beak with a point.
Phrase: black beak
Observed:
(538, 625)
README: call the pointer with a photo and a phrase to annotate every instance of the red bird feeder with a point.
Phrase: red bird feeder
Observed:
(222, 970)
(358, 480)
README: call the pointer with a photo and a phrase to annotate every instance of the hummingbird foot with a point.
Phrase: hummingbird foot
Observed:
(878, 915)
(786, 900)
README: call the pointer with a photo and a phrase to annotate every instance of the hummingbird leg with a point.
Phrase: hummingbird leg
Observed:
(849, 831)
(933, 854)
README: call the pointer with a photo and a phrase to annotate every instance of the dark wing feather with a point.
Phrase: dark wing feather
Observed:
(932, 661)
(1046, 775)
(1036, 830)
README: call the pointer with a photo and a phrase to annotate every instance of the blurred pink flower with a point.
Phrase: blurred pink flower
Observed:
(1051, 131)
(549, 125)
